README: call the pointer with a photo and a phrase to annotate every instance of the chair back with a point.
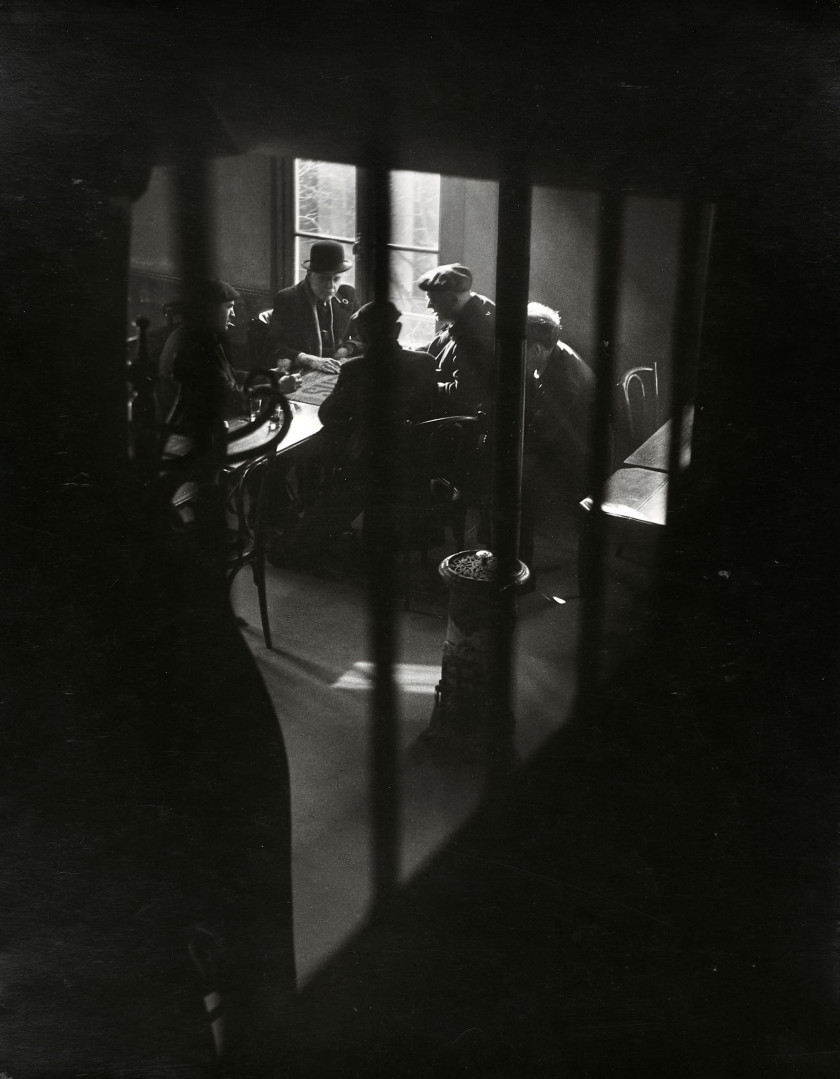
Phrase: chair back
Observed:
(443, 448)
(639, 405)
(244, 504)
(441, 465)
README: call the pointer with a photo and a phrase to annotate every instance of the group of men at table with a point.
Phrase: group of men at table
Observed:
(318, 325)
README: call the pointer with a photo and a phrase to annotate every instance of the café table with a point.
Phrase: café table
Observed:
(637, 493)
(315, 388)
(304, 426)
(655, 452)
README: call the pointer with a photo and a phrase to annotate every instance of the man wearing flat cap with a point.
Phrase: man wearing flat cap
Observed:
(465, 347)
(308, 323)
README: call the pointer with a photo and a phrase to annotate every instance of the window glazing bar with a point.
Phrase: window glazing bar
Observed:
(410, 247)
(324, 236)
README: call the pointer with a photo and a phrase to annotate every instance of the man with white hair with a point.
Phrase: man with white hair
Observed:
(559, 395)
(560, 388)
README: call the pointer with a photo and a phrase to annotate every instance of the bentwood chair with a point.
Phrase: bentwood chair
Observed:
(227, 492)
(440, 481)
(246, 478)
(638, 399)
(246, 535)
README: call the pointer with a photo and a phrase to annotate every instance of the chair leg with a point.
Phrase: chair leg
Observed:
(259, 581)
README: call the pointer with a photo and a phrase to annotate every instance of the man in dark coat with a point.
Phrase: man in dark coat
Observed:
(465, 347)
(197, 383)
(308, 326)
(343, 412)
(559, 395)
(344, 415)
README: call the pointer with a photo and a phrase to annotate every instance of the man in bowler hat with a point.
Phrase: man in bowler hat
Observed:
(309, 321)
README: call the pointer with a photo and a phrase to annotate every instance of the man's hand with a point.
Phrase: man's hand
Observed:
(316, 363)
(289, 383)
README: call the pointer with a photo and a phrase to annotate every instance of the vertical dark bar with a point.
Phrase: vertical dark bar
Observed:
(287, 220)
(606, 322)
(380, 419)
(365, 227)
(275, 223)
(194, 240)
(195, 243)
(695, 244)
(512, 276)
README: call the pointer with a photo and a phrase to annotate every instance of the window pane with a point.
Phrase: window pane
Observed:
(302, 246)
(415, 209)
(418, 320)
(326, 198)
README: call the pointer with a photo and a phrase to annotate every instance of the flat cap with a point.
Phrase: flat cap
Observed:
(388, 312)
(215, 292)
(453, 277)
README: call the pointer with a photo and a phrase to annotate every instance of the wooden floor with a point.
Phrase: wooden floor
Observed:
(317, 675)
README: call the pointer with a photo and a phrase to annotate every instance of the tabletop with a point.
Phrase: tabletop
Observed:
(636, 494)
(654, 453)
(315, 388)
(305, 424)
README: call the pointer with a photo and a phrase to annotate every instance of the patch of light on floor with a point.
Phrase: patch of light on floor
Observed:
(410, 677)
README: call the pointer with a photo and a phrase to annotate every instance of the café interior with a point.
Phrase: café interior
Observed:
(264, 213)
(631, 865)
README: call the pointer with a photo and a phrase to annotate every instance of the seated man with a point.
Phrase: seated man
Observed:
(559, 396)
(198, 388)
(309, 321)
(344, 415)
(343, 412)
(465, 348)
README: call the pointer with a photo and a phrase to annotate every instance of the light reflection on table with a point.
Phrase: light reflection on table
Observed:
(305, 425)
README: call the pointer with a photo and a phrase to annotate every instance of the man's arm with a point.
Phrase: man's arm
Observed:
(469, 385)
(288, 338)
(337, 409)
(283, 333)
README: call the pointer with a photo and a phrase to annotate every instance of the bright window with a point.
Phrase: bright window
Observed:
(326, 208)
(415, 232)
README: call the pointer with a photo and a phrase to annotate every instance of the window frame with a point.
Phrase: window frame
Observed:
(288, 232)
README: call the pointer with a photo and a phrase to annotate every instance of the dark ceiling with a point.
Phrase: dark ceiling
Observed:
(653, 98)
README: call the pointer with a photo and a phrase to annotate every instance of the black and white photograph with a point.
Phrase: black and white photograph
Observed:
(419, 540)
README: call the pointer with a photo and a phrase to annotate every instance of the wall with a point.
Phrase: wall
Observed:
(564, 263)
(563, 253)
(649, 273)
(240, 229)
(563, 232)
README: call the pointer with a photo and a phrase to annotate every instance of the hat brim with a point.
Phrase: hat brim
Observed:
(339, 269)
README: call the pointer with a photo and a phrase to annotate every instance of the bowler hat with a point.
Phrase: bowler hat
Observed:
(452, 277)
(326, 256)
